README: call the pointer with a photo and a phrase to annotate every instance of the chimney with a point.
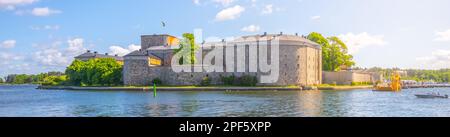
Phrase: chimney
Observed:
(281, 33)
(223, 40)
(106, 54)
(296, 34)
(116, 55)
(265, 34)
(95, 52)
(88, 51)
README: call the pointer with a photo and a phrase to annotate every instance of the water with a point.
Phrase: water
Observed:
(26, 101)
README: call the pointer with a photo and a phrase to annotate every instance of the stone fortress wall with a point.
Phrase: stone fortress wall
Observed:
(300, 63)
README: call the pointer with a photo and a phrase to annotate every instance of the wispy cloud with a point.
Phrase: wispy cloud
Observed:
(355, 42)
(315, 18)
(268, 9)
(443, 36)
(251, 28)
(230, 13)
(8, 44)
(12, 4)
(437, 60)
(45, 27)
(118, 50)
(44, 11)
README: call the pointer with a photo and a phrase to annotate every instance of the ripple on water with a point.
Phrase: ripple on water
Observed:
(29, 102)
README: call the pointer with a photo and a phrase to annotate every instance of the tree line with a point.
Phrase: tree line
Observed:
(42, 78)
(440, 76)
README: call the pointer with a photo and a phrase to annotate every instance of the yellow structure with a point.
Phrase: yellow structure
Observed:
(154, 61)
(395, 85)
(173, 41)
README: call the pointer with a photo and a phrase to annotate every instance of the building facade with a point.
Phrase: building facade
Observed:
(349, 77)
(300, 61)
(94, 55)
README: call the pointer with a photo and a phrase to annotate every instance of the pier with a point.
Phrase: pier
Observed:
(428, 86)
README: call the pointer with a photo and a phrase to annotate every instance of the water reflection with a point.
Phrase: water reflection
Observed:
(29, 102)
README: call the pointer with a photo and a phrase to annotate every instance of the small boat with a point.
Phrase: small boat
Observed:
(432, 95)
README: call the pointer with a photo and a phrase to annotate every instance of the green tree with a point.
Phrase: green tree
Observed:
(1, 80)
(95, 72)
(334, 52)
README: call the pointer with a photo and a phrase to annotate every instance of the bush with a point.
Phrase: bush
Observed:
(157, 81)
(206, 81)
(230, 80)
(94, 72)
(54, 80)
(245, 80)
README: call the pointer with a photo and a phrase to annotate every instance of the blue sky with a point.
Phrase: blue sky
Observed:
(44, 35)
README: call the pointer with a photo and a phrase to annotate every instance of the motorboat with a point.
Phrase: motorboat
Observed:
(431, 95)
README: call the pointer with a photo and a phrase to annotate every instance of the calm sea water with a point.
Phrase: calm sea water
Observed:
(26, 101)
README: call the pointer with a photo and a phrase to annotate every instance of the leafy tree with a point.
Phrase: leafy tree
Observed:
(1, 80)
(95, 72)
(334, 52)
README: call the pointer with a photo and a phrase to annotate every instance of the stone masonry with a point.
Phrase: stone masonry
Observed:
(300, 62)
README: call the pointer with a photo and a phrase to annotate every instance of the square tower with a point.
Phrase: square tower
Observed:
(148, 41)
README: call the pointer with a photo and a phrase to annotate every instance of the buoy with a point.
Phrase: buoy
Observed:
(154, 90)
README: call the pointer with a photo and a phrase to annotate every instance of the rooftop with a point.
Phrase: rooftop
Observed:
(90, 54)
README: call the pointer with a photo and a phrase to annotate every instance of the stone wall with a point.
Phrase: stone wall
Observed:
(299, 64)
(153, 40)
(346, 77)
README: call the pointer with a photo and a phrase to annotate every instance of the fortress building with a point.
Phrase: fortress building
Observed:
(95, 55)
(300, 61)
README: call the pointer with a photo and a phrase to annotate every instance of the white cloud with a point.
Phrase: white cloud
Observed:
(438, 60)
(315, 18)
(44, 11)
(53, 56)
(196, 2)
(8, 44)
(46, 27)
(443, 36)
(11, 4)
(251, 28)
(117, 50)
(230, 13)
(10, 57)
(76, 46)
(355, 42)
(224, 2)
(268, 9)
